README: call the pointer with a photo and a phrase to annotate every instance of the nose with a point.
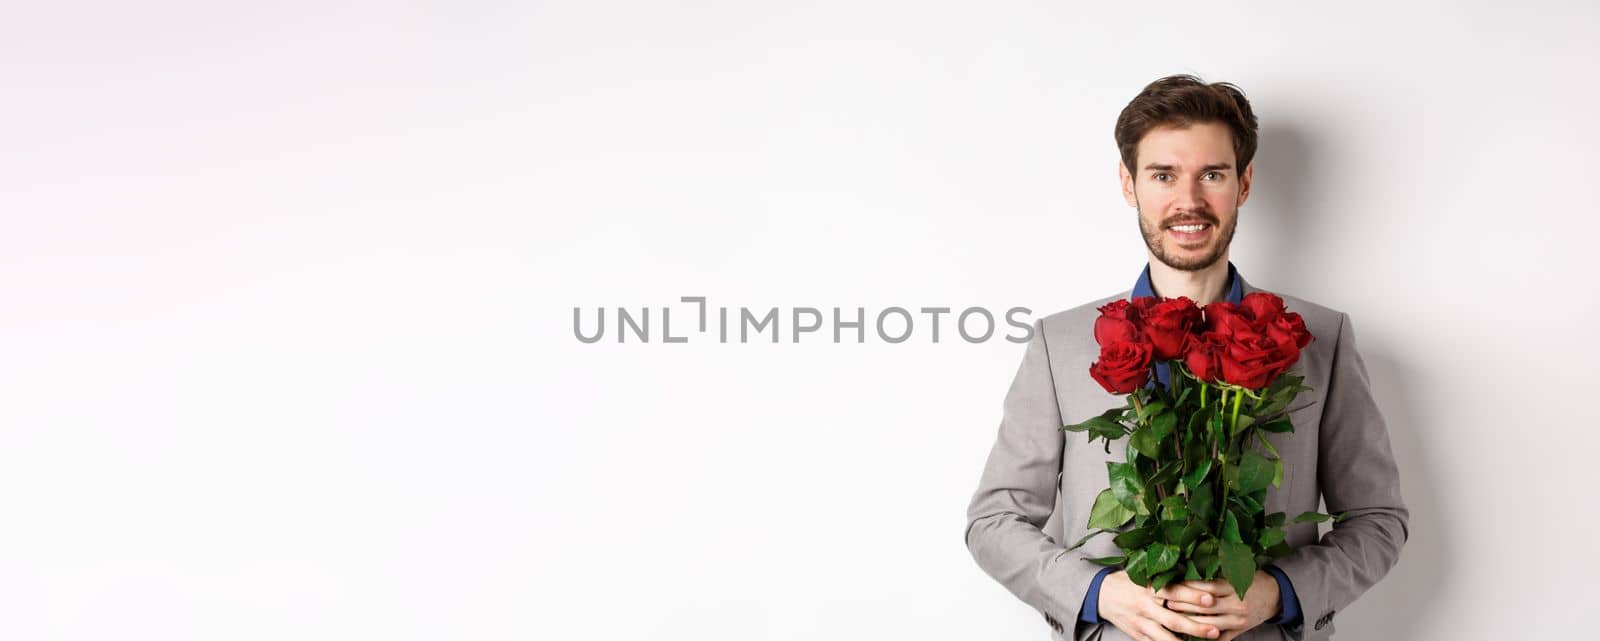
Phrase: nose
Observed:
(1190, 196)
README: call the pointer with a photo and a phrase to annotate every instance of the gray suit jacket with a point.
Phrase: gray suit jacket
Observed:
(1039, 482)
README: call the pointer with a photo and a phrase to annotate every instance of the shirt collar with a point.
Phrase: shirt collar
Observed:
(1235, 285)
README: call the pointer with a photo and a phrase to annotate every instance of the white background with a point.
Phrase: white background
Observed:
(287, 289)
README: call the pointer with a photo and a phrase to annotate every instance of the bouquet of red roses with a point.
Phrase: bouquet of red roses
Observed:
(1188, 504)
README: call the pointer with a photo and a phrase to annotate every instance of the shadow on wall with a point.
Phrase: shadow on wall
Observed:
(1402, 603)
(1281, 213)
(1290, 217)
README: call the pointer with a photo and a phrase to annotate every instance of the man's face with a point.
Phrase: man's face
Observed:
(1187, 175)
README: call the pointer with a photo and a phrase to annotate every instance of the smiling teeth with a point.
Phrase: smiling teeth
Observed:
(1189, 228)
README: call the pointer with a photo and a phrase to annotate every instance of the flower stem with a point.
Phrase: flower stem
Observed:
(1234, 425)
(1222, 514)
(1221, 401)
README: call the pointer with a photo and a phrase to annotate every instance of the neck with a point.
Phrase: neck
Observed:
(1203, 287)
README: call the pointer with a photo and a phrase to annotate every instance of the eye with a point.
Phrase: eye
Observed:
(1161, 178)
(1213, 175)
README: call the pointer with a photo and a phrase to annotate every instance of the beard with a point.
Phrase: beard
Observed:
(1154, 238)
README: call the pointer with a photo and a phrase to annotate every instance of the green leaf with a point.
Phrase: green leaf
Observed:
(1172, 531)
(1100, 427)
(1192, 532)
(1085, 539)
(1175, 508)
(1094, 424)
(1286, 384)
(1109, 560)
(1230, 528)
(1268, 445)
(1247, 522)
(1136, 568)
(1313, 517)
(1248, 503)
(1271, 536)
(1207, 557)
(1134, 538)
(1245, 420)
(1278, 426)
(1108, 513)
(1255, 473)
(1277, 460)
(1163, 477)
(1238, 566)
(1197, 423)
(1125, 483)
(1163, 424)
(1163, 580)
(1146, 443)
(1277, 385)
(1202, 503)
(1192, 573)
(1160, 557)
(1197, 476)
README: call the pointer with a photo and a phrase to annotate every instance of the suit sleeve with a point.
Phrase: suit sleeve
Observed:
(1357, 473)
(1016, 495)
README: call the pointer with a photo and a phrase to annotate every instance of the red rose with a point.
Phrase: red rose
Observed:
(1143, 304)
(1253, 360)
(1236, 326)
(1201, 356)
(1289, 329)
(1117, 308)
(1118, 321)
(1168, 323)
(1261, 307)
(1226, 318)
(1124, 366)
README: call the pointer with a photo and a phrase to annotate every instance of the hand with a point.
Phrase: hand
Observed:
(1137, 611)
(1229, 613)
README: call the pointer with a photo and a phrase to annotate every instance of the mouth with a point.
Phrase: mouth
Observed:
(1190, 234)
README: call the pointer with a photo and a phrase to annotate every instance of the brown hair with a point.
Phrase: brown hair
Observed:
(1183, 100)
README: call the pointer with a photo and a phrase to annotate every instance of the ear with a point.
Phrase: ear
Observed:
(1127, 185)
(1244, 182)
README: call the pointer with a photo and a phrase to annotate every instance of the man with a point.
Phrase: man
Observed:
(1186, 152)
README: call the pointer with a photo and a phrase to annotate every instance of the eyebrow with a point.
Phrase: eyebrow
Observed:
(1210, 167)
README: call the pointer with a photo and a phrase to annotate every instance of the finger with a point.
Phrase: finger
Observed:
(1190, 608)
(1183, 594)
(1153, 631)
(1223, 604)
(1216, 587)
(1221, 621)
(1180, 623)
(1230, 605)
